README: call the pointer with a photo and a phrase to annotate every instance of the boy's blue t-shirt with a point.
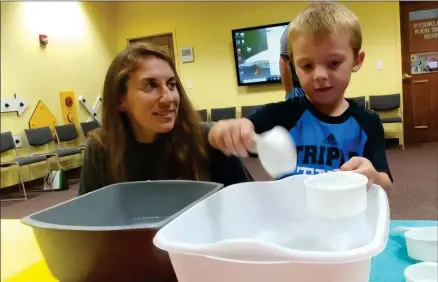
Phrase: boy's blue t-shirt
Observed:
(325, 143)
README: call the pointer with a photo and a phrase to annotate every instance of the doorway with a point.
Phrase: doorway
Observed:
(419, 40)
(164, 41)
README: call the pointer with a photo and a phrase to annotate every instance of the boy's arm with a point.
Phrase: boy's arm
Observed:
(383, 179)
(227, 170)
(284, 114)
(263, 120)
(375, 152)
(281, 113)
(235, 136)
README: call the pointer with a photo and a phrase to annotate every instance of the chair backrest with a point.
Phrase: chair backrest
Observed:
(360, 101)
(203, 114)
(385, 102)
(247, 110)
(223, 113)
(7, 142)
(88, 126)
(38, 136)
(65, 133)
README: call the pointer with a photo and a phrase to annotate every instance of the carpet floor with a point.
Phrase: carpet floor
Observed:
(415, 194)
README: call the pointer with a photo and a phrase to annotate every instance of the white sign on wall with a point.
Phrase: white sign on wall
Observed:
(16, 104)
(186, 54)
(93, 111)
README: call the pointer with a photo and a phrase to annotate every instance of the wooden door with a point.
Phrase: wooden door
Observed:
(419, 37)
(164, 41)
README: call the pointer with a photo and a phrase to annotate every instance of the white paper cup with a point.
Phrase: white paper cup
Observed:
(422, 272)
(336, 194)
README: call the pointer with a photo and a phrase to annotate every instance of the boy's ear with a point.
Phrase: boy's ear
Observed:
(359, 61)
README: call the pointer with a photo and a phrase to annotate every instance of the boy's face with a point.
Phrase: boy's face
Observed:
(324, 64)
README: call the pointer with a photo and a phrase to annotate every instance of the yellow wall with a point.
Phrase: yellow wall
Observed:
(207, 26)
(84, 37)
(81, 46)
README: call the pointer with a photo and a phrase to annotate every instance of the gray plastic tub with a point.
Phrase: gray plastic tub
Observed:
(106, 235)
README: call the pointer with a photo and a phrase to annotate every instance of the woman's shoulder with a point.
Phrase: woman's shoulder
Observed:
(95, 146)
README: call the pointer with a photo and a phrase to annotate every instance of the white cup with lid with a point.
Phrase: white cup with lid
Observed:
(336, 194)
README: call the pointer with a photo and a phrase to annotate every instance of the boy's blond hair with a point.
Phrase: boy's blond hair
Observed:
(326, 17)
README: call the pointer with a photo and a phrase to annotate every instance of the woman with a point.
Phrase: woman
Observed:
(150, 130)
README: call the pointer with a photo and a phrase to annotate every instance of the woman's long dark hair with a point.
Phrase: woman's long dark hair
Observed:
(186, 145)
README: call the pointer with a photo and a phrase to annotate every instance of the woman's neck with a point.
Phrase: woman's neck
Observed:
(145, 137)
(142, 135)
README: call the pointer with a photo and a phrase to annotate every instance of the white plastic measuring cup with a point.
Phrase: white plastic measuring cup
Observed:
(337, 194)
(422, 272)
(277, 152)
(422, 243)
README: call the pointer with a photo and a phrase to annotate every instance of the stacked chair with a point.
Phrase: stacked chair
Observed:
(37, 138)
(7, 145)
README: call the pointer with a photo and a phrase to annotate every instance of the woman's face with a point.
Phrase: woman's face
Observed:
(152, 99)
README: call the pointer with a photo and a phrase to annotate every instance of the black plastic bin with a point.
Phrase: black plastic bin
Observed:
(106, 235)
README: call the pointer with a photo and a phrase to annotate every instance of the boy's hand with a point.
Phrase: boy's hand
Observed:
(363, 166)
(235, 136)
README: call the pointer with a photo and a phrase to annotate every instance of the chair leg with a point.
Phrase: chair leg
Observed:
(30, 177)
(59, 162)
(20, 177)
(47, 164)
(42, 190)
(48, 169)
(22, 184)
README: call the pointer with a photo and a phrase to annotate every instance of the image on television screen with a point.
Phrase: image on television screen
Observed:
(257, 54)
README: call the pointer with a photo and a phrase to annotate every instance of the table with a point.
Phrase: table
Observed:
(22, 261)
(389, 266)
(21, 258)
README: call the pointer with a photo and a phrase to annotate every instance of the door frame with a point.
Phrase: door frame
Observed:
(128, 40)
(405, 67)
(174, 47)
(403, 45)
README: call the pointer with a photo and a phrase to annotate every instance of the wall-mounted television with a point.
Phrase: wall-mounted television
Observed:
(257, 53)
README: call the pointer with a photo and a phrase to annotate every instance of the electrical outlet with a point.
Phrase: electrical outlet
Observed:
(380, 65)
(17, 140)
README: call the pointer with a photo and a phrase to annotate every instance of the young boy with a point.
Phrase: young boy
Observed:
(330, 131)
